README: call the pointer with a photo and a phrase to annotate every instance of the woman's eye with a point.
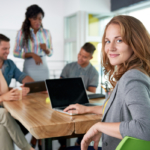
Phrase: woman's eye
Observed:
(118, 41)
(107, 42)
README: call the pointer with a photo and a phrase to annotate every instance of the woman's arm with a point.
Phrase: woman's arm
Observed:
(28, 55)
(47, 47)
(136, 95)
(36, 58)
(19, 45)
(80, 109)
(94, 133)
(111, 129)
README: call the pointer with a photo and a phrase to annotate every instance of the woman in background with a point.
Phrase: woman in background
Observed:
(126, 60)
(34, 43)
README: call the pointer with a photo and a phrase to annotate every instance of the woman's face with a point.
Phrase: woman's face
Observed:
(36, 21)
(117, 51)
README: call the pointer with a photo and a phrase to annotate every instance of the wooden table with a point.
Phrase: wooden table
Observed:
(43, 122)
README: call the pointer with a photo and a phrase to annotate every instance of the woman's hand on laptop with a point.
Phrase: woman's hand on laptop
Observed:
(76, 109)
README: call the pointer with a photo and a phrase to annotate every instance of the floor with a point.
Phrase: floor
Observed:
(55, 143)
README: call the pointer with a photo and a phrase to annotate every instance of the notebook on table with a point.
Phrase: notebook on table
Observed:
(67, 91)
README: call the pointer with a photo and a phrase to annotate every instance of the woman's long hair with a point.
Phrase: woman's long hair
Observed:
(137, 37)
(32, 11)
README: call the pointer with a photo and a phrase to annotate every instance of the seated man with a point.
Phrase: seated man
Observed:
(8, 127)
(84, 69)
(8, 67)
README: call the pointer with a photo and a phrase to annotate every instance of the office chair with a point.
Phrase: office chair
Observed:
(130, 143)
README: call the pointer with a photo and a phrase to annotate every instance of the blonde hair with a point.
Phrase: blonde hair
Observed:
(137, 37)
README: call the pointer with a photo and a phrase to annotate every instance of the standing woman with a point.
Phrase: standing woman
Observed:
(33, 43)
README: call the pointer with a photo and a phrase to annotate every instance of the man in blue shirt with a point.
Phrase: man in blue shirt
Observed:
(8, 67)
(9, 70)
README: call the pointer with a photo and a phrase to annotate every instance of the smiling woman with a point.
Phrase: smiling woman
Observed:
(125, 57)
(117, 50)
(126, 60)
(123, 46)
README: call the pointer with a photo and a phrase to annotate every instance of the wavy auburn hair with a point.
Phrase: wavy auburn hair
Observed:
(31, 12)
(135, 35)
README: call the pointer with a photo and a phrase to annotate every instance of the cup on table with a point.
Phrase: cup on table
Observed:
(19, 91)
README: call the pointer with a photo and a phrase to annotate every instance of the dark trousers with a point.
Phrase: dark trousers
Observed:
(63, 141)
(24, 130)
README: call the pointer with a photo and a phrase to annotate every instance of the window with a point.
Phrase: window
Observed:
(87, 27)
(70, 38)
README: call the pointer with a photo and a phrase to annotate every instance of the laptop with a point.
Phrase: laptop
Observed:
(67, 91)
(37, 86)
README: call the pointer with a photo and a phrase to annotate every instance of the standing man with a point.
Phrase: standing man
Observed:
(83, 68)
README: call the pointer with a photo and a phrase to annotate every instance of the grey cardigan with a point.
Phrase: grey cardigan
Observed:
(129, 104)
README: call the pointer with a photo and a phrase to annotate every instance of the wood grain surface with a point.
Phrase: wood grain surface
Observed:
(43, 122)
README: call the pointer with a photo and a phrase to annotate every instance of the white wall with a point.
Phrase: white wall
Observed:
(71, 6)
(12, 14)
(93, 6)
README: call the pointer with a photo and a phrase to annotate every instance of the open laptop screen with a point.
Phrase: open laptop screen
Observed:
(63, 92)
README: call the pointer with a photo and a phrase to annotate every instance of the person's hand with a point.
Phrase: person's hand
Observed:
(76, 109)
(37, 59)
(11, 95)
(92, 135)
(25, 90)
(43, 46)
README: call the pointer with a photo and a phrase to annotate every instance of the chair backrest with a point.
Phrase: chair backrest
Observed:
(130, 143)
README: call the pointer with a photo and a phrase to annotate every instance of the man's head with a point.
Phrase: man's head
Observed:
(4, 47)
(85, 54)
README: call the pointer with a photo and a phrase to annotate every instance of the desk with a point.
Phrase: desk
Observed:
(43, 122)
